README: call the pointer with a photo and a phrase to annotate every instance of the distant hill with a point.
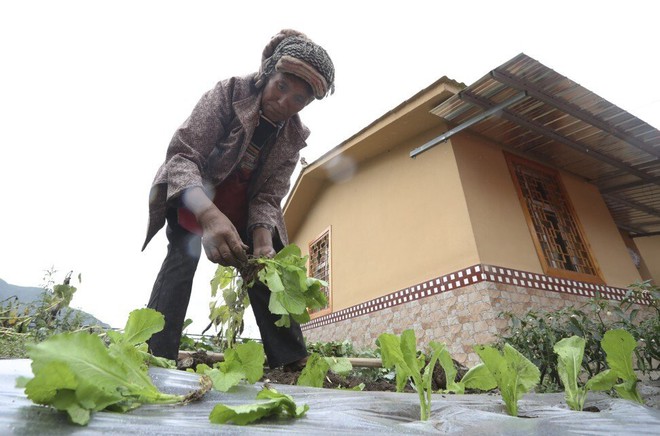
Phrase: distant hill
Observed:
(27, 295)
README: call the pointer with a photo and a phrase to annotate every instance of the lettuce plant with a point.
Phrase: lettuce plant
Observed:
(619, 346)
(276, 404)
(317, 368)
(76, 372)
(445, 360)
(243, 362)
(477, 377)
(513, 373)
(570, 352)
(401, 353)
(292, 292)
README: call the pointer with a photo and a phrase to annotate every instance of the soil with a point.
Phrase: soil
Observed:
(332, 381)
(649, 387)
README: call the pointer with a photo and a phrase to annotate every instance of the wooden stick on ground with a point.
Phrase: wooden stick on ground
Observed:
(357, 362)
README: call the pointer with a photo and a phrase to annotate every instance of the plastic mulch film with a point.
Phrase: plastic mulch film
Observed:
(331, 411)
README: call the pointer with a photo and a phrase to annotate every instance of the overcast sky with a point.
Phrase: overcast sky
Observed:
(91, 93)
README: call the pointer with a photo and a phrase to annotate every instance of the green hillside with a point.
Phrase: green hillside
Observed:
(27, 296)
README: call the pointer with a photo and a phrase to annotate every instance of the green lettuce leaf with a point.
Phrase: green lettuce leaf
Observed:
(290, 250)
(603, 381)
(76, 372)
(314, 372)
(243, 362)
(513, 372)
(400, 353)
(450, 372)
(222, 278)
(339, 365)
(479, 377)
(277, 404)
(271, 277)
(570, 352)
(141, 325)
(619, 346)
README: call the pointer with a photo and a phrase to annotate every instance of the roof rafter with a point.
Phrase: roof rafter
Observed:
(635, 184)
(573, 110)
(635, 205)
(542, 130)
(632, 230)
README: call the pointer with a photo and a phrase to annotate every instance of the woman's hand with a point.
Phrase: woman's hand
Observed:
(222, 243)
(263, 242)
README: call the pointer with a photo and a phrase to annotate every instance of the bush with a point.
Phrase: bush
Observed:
(535, 333)
(21, 324)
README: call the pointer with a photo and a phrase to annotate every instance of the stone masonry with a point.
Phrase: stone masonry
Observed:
(460, 317)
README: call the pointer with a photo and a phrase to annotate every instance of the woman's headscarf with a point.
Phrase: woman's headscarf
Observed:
(293, 52)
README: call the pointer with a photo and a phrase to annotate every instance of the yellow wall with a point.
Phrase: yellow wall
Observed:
(396, 222)
(607, 245)
(500, 229)
(649, 249)
(644, 272)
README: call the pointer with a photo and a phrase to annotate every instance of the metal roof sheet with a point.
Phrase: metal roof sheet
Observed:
(566, 126)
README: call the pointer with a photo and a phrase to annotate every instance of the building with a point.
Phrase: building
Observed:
(523, 190)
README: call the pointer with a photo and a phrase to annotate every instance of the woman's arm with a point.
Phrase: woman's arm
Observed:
(220, 239)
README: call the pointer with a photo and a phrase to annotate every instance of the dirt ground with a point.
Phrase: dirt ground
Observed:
(334, 381)
(649, 387)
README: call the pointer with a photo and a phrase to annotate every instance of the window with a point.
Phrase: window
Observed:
(553, 224)
(319, 267)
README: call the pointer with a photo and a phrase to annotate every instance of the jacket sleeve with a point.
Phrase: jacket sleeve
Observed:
(195, 139)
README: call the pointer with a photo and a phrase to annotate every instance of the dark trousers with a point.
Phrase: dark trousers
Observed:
(171, 295)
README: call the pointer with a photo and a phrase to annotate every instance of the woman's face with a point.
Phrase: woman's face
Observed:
(284, 96)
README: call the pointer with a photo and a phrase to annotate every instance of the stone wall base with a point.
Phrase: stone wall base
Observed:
(460, 317)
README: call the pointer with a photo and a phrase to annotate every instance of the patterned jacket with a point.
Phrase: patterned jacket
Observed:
(211, 142)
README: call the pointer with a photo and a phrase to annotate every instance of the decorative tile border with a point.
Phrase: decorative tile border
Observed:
(444, 283)
(465, 277)
(514, 277)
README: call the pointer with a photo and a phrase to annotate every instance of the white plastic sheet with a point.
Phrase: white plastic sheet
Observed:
(332, 412)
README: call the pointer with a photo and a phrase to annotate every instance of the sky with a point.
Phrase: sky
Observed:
(91, 93)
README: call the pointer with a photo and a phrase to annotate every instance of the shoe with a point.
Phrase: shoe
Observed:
(296, 366)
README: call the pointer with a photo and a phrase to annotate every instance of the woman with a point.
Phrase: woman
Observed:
(226, 171)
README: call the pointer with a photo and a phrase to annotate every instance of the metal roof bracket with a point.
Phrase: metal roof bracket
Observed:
(445, 136)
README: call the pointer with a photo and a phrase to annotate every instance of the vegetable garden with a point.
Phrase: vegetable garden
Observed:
(83, 372)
